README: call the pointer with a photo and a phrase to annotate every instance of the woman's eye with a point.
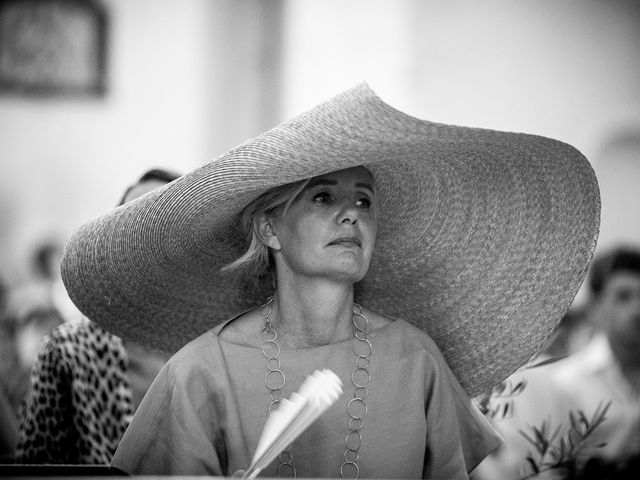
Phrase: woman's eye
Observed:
(322, 197)
(364, 203)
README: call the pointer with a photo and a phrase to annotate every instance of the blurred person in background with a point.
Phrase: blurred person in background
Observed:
(8, 431)
(43, 289)
(86, 383)
(607, 369)
(8, 427)
(579, 416)
(571, 334)
(30, 314)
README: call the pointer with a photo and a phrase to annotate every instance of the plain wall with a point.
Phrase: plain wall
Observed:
(189, 79)
(185, 83)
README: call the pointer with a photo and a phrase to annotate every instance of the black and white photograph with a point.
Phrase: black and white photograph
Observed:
(375, 239)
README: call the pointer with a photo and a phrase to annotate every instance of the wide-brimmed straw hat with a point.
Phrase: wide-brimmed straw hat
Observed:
(484, 237)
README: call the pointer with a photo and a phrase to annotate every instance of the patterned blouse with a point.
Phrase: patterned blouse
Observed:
(82, 398)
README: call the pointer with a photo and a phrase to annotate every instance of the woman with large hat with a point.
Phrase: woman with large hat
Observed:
(421, 262)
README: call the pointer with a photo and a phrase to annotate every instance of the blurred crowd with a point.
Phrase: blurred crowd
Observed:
(574, 410)
(28, 312)
(68, 388)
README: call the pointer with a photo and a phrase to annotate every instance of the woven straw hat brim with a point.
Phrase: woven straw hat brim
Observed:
(484, 237)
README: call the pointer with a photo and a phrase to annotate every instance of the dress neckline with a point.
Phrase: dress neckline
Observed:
(218, 328)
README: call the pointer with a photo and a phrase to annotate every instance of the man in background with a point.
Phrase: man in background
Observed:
(578, 416)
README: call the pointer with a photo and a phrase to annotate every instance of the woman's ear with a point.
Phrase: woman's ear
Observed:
(266, 232)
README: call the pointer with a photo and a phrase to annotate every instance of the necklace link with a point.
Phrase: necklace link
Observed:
(275, 381)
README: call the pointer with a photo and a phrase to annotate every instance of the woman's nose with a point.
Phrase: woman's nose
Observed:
(348, 213)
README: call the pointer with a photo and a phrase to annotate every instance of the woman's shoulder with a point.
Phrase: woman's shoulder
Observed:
(196, 362)
(400, 328)
(204, 354)
(241, 329)
(405, 336)
(377, 320)
(196, 350)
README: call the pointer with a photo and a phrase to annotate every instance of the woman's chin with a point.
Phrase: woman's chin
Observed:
(351, 275)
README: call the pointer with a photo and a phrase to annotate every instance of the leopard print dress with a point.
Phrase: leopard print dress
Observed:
(80, 401)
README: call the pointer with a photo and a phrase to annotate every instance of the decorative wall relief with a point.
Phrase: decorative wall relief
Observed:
(53, 47)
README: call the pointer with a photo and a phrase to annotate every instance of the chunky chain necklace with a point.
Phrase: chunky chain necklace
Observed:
(275, 380)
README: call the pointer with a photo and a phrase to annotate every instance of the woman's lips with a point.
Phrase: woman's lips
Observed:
(346, 241)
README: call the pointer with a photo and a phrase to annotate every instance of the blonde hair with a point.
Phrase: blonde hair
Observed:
(256, 262)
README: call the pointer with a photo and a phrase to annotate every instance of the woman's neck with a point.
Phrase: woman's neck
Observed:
(312, 312)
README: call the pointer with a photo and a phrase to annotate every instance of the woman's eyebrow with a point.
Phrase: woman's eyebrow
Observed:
(322, 182)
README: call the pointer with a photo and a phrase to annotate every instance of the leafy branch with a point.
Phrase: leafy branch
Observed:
(498, 403)
(547, 455)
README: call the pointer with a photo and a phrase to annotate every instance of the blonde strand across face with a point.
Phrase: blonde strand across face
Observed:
(256, 262)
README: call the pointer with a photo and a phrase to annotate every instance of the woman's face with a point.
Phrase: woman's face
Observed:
(329, 230)
(618, 309)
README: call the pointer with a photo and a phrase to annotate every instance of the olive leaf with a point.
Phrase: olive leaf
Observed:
(548, 456)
